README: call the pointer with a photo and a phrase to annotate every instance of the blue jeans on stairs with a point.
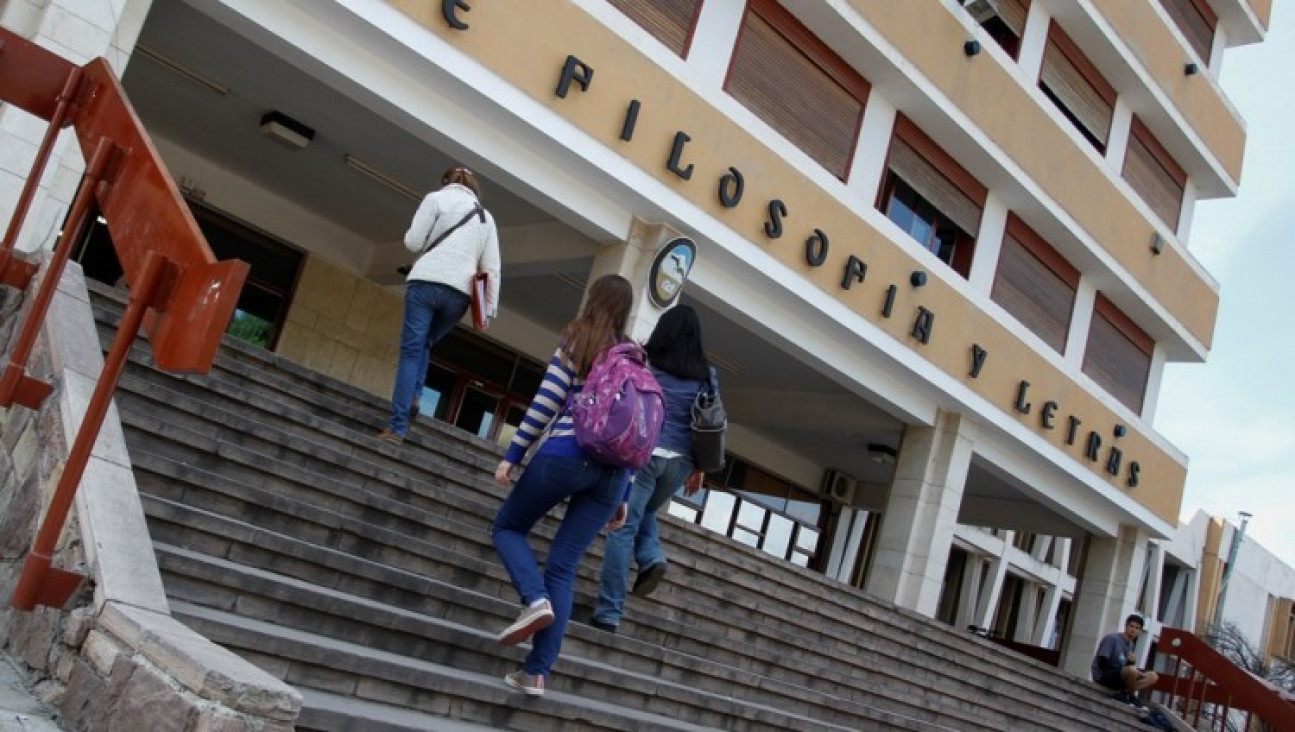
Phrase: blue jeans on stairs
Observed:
(640, 536)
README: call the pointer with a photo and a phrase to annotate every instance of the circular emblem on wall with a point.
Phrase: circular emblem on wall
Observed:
(670, 270)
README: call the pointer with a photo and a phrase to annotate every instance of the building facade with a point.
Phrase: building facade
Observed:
(939, 251)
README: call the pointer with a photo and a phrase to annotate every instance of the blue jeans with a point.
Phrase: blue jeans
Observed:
(431, 310)
(653, 487)
(592, 491)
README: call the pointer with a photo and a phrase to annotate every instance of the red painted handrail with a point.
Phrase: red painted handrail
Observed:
(181, 296)
(1204, 677)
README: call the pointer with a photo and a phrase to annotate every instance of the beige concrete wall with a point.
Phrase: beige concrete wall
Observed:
(931, 38)
(343, 325)
(1196, 99)
(528, 44)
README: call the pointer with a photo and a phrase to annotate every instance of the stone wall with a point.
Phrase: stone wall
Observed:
(344, 326)
(114, 658)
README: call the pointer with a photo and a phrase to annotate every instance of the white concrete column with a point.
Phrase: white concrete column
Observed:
(969, 597)
(1187, 212)
(989, 242)
(1034, 41)
(1155, 376)
(713, 40)
(869, 163)
(1081, 319)
(1027, 614)
(1117, 142)
(1216, 51)
(1041, 546)
(77, 30)
(632, 260)
(921, 513)
(995, 578)
(1045, 623)
(850, 526)
(1107, 592)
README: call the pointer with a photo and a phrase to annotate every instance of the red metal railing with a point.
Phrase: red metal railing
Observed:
(179, 293)
(1205, 688)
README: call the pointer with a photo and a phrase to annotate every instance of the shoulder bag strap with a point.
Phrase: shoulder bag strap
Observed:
(476, 210)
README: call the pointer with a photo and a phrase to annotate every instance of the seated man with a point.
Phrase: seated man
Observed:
(1115, 665)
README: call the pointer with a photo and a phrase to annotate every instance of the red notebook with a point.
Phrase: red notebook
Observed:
(479, 282)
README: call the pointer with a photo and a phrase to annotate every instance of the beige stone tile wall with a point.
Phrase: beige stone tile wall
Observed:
(343, 325)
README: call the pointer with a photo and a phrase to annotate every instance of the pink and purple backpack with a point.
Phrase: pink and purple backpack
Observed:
(619, 411)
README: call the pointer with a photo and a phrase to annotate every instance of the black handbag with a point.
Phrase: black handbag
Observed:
(708, 424)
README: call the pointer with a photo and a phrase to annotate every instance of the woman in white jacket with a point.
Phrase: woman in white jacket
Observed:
(455, 238)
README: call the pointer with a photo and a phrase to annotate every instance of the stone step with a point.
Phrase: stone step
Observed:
(326, 712)
(262, 423)
(785, 641)
(272, 384)
(308, 660)
(439, 616)
(663, 631)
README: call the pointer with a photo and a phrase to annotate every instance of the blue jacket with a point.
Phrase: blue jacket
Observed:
(676, 432)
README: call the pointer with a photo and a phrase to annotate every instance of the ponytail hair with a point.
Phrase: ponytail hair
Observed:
(464, 177)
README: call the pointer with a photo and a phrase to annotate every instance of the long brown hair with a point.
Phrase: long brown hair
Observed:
(601, 322)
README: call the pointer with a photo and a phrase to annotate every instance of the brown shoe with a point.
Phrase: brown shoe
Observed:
(394, 438)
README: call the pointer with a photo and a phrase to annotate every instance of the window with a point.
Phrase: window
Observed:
(1118, 355)
(760, 510)
(262, 305)
(1035, 284)
(1004, 21)
(1155, 175)
(797, 85)
(931, 197)
(669, 21)
(1071, 81)
(1196, 21)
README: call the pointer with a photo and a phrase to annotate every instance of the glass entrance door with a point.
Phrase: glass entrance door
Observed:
(478, 386)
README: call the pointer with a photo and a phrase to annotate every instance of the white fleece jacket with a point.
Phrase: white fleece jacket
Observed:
(472, 247)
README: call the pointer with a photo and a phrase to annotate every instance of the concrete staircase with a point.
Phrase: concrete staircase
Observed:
(362, 573)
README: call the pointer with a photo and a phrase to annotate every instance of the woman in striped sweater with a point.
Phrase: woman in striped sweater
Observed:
(559, 471)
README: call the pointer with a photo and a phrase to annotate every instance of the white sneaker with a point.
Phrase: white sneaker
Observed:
(530, 620)
(525, 683)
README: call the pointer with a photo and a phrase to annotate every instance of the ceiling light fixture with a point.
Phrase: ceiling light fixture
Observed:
(882, 454)
(180, 69)
(362, 167)
(285, 130)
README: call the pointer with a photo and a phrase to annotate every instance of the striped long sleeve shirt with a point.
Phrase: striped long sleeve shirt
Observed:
(560, 384)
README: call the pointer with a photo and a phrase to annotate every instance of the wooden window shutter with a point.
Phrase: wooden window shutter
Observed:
(1118, 354)
(670, 21)
(1013, 13)
(1154, 175)
(936, 177)
(1197, 21)
(798, 86)
(1035, 284)
(1077, 85)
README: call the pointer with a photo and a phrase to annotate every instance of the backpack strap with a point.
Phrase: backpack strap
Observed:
(476, 211)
